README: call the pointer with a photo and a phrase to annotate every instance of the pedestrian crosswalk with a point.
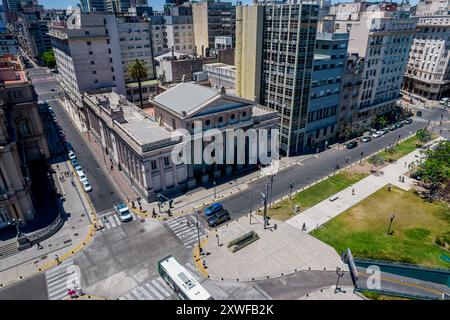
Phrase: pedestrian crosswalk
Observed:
(112, 220)
(156, 289)
(62, 278)
(185, 228)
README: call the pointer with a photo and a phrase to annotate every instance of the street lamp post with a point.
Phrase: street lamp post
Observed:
(398, 141)
(218, 241)
(340, 273)
(214, 184)
(390, 224)
(291, 185)
(265, 206)
(360, 159)
(198, 234)
(271, 184)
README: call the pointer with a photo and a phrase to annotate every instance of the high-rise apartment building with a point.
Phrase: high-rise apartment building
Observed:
(180, 33)
(135, 43)
(382, 36)
(427, 73)
(212, 19)
(93, 6)
(274, 63)
(323, 110)
(88, 57)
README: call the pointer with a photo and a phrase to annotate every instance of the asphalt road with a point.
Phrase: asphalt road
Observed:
(314, 168)
(104, 194)
(30, 289)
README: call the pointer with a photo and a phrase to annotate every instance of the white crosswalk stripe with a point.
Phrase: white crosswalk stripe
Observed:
(62, 278)
(156, 289)
(185, 228)
(111, 220)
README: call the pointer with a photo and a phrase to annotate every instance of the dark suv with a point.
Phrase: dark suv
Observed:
(219, 218)
(352, 144)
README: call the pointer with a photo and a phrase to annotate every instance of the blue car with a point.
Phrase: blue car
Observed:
(213, 209)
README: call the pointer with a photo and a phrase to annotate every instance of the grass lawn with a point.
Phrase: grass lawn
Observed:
(283, 210)
(363, 229)
(402, 149)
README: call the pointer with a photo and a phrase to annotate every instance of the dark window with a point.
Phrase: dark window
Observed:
(88, 43)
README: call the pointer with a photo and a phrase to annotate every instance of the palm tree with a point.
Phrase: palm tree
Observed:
(138, 71)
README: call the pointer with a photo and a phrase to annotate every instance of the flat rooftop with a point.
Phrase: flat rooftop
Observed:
(135, 123)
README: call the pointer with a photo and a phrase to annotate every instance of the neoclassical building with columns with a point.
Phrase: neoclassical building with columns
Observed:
(140, 143)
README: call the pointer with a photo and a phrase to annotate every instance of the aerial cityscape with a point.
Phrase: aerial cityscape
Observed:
(214, 150)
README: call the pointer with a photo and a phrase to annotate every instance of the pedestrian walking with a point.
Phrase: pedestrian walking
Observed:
(304, 227)
(57, 259)
(353, 191)
(389, 187)
(406, 163)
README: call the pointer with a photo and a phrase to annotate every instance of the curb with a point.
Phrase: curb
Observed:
(197, 259)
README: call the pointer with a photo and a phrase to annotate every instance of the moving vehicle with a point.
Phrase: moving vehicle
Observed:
(181, 281)
(123, 212)
(377, 134)
(86, 186)
(219, 218)
(352, 144)
(366, 139)
(72, 155)
(407, 121)
(212, 209)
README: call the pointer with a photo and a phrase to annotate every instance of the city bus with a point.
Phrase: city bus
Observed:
(181, 281)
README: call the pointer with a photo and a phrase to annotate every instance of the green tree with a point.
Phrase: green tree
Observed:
(138, 71)
(49, 59)
(423, 135)
(382, 121)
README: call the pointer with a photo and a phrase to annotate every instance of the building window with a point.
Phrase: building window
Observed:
(92, 62)
(233, 116)
(166, 161)
(244, 114)
(24, 127)
(91, 53)
(208, 122)
(154, 164)
(94, 72)
(88, 43)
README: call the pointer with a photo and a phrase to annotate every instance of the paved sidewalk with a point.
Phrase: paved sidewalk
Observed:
(276, 253)
(326, 210)
(345, 293)
(76, 232)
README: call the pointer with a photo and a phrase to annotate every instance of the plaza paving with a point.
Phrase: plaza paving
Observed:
(276, 253)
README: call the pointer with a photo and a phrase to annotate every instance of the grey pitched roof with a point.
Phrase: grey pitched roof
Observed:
(186, 97)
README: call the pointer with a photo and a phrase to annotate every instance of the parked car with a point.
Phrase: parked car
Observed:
(219, 218)
(444, 101)
(352, 144)
(123, 212)
(366, 139)
(377, 134)
(72, 155)
(385, 130)
(74, 162)
(419, 113)
(407, 121)
(392, 127)
(78, 168)
(86, 186)
(398, 124)
(212, 209)
(82, 176)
